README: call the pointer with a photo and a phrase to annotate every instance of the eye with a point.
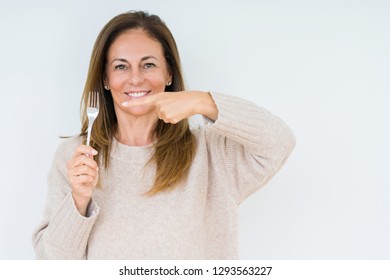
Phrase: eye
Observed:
(149, 65)
(120, 67)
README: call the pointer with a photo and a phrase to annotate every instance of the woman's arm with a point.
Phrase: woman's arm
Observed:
(248, 143)
(63, 232)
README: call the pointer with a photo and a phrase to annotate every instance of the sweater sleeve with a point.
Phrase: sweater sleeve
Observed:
(249, 143)
(63, 232)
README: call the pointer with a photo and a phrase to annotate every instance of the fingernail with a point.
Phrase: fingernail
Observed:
(94, 152)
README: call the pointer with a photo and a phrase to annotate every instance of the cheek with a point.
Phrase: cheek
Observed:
(116, 81)
(158, 82)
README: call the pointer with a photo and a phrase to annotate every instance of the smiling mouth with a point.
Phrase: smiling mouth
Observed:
(137, 94)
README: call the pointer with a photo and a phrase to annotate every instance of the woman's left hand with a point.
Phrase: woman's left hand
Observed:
(172, 107)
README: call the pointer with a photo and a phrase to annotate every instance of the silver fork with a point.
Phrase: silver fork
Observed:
(92, 111)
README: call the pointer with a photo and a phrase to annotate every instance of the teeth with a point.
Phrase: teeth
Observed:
(137, 94)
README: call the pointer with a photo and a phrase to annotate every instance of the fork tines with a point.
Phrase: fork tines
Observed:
(92, 111)
(93, 99)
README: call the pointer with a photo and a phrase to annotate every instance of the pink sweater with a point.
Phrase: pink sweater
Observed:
(236, 156)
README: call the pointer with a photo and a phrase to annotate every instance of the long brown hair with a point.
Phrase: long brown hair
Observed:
(175, 147)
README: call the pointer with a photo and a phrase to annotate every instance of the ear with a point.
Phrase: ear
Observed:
(105, 83)
(169, 82)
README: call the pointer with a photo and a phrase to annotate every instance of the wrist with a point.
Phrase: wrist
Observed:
(81, 204)
(206, 106)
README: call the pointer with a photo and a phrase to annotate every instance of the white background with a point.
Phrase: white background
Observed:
(322, 66)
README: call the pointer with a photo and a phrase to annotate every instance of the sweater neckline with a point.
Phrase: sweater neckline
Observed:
(125, 152)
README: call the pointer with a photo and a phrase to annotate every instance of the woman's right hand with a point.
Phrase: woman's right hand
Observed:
(83, 176)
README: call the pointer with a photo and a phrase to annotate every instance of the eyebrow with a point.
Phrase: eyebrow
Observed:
(142, 59)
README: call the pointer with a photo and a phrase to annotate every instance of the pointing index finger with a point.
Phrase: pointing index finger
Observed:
(146, 100)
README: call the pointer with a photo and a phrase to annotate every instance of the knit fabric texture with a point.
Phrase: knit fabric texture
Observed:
(236, 155)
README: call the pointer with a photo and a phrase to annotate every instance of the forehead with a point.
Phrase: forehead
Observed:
(135, 42)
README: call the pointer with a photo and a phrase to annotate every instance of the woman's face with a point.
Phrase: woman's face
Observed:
(136, 67)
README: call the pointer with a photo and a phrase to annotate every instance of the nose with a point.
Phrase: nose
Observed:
(136, 77)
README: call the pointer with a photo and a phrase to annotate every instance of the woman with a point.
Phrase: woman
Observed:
(149, 187)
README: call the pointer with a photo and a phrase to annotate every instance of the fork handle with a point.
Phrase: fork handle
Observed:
(89, 133)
